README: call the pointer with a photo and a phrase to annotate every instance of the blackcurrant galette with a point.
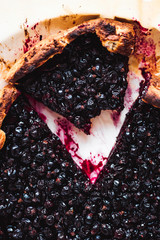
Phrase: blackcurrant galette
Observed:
(43, 194)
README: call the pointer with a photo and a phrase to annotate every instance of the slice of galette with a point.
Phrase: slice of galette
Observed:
(85, 71)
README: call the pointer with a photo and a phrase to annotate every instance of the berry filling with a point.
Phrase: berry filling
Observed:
(35, 169)
(80, 82)
(45, 196)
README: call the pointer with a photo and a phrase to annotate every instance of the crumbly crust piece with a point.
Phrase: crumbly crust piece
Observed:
(152, 95)
(7, 96)
(2, 139)
(117, 37)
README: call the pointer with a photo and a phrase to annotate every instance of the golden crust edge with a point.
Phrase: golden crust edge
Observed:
(152, 96)
(121, 41)
(2, 138)
(8, 95)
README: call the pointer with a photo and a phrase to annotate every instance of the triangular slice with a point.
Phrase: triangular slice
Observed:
(87, 73)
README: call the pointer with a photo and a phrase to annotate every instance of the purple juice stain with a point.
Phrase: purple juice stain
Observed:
(145, 46)
(72, 147)
(42, 116)
(30, 41)
(115, 117)
(33, 102)
(70, 144)
(27, 44)
(128, 97)
(88, 167)
(34, 27)
(143, 29)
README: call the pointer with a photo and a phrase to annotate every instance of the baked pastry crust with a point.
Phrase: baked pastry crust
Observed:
(117, 37)
(7, 96)
(152, 95)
